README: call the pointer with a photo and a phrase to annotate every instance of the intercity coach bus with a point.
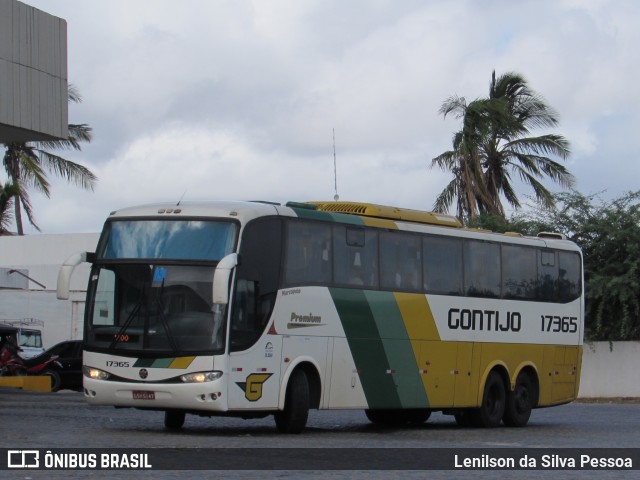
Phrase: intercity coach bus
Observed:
(252, 308)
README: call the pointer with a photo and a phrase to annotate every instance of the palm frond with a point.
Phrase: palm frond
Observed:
(445, 198)
(71, 171)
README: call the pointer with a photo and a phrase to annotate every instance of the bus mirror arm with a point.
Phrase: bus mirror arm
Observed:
(66, 270)
(221, 278)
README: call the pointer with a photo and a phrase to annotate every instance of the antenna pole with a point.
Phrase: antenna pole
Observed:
(335, 168)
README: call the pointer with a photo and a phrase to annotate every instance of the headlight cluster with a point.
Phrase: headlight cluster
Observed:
(95, 373)
(197, 377)
(200, 377)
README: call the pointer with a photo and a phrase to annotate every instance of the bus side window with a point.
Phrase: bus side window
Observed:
(308, 257)
(568, 276)
(482, 269)
(547, 276)
(518, 272)
(442, 258)
(257, 280)
(355, 256)
(400, 261)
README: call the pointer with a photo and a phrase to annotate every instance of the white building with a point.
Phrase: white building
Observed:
(39, 258)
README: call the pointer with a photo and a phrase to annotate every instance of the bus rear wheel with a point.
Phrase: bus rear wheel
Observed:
(492, 408)
(520, 402)
(293, 418)
(174, 419)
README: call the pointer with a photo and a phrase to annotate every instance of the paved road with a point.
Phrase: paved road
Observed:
(64, 420)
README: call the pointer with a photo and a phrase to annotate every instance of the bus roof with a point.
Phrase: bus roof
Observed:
(361, 213)
(388, 213)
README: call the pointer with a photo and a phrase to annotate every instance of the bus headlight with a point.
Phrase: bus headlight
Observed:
(95, 373)
(200, 377)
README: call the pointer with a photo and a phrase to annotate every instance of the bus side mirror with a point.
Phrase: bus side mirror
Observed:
(221, 278)
(66, 270)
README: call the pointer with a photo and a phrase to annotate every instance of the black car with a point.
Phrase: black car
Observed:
(66, 370)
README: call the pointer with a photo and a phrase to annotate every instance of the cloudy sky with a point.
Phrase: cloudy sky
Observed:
(238, 99)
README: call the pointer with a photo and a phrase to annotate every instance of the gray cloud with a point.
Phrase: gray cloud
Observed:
(238, 99)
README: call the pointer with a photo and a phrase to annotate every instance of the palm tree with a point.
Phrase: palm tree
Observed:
(27, 165)
(8, 193)
(511, 148)
(497, 130)
(464, 161)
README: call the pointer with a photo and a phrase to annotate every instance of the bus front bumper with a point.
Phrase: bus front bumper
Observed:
(184, 396)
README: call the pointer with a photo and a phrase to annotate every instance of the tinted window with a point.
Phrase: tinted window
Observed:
(569, 276)
(547, 276)
(355, 256)
(518, 272)
(308, 257)
(442, 265)
(258, 275)
(481, 269)
(167, 239)
(400, 261)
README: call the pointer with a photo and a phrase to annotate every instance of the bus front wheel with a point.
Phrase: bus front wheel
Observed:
(293, 418)
(174, 419)
(520, 402)
(492, 408)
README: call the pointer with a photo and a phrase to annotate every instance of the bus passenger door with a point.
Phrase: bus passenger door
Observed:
(254, 359)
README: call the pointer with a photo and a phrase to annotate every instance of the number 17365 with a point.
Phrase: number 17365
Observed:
(557, 324)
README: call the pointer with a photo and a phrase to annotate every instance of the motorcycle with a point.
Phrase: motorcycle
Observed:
(12, 365)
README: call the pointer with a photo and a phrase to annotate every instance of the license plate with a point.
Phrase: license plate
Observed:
(143, 395)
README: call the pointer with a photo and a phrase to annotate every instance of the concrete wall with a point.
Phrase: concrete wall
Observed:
(33, 74)
(610, 370)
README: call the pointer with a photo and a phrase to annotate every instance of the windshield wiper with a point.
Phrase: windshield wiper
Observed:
(163, 320)
(127, 323)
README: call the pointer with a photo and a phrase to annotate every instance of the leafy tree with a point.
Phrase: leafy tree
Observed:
(609, 234)
(27, 164)
(495, 142)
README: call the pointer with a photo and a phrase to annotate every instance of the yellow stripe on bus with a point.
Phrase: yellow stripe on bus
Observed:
(417, 316)
(379, 222)
(182, 362)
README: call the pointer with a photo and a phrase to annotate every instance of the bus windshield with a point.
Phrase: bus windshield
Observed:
(154, 308)
(167, 240)
(148, 294)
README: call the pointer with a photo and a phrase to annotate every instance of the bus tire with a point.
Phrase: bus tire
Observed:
(416, 416)
(174, 419)
(520, 402)
(491, 410)
(55, 379)
(380, 417)
(293, 418)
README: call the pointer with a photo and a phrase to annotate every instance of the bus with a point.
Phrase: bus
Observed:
(251, 309)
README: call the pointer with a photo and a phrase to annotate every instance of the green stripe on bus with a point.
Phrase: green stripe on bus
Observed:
(143, 362)
(398, 348)
(366, 347)
(163, 362)
(328, 216)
